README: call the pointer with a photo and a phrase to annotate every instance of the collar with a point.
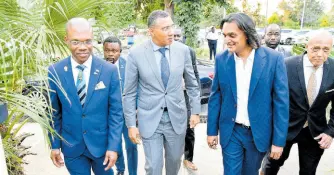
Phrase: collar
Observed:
(87, 63)
(307, 62)
(156, 47)
(250, 57)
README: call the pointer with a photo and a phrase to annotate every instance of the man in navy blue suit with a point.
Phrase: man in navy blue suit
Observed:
(249, 103)
(112, 47)
(86, 98)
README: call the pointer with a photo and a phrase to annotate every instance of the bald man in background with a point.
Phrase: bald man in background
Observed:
(272, 38)
(86, 97)
(311, 86)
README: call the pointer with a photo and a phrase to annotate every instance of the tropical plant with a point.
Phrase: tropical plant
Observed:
(31, 38)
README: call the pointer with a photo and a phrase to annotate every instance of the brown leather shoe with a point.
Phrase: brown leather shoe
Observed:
(189, 165)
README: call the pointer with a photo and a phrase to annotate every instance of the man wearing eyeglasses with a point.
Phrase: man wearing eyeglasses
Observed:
(86, 97)
(157, 69)
(311, 88)
(272, 39)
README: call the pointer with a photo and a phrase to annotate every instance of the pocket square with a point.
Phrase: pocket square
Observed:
(329, 91)
(100, 85)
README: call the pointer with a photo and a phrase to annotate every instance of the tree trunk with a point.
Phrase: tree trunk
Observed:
(169, 7)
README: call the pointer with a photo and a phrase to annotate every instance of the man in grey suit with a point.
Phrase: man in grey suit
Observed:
(155, 70)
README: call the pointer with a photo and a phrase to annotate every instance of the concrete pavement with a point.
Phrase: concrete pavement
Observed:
(209, 161)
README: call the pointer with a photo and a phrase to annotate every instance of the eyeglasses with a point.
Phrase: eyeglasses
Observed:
(168, 28)
(317, 49)
(177, 36)
(77, 43)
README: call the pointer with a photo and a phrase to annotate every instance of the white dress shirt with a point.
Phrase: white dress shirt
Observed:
(308, 69)
(212, 35)
(86, 72)
(243, 78)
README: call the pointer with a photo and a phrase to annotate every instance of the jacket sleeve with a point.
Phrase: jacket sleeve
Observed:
(56, 115)
(280, 103)
(115, 113)
(214, 105)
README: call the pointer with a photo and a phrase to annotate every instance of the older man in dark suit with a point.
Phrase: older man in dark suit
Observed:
(311, 85)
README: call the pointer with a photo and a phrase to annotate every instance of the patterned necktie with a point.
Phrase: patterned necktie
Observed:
(165, 72)
(311, 87)
(311, 90)
(81, 85)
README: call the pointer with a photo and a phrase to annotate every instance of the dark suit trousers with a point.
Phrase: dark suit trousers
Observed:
(309, 155)
(190, 134)
(213, 48)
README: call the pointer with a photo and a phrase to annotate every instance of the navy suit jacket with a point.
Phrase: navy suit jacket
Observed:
(98, 125)
(268, 101)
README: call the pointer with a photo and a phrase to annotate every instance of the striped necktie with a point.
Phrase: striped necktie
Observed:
(81, 84)
(165, 72)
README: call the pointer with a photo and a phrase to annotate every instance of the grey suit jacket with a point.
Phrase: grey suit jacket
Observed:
(142, 73)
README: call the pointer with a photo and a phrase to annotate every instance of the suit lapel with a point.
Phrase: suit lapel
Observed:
(150, 57)
(258, 65)
(300, 71)
(232, 74)
(70, 85)
(172, 62)
(324, 80)
(95, 73)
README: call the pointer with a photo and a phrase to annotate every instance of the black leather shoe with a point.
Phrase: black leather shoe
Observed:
(120, 173)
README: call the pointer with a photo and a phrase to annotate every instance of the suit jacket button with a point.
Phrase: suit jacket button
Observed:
(235, 105)
(84, 132)
(165, 93)
(83, 116)
(161, 108)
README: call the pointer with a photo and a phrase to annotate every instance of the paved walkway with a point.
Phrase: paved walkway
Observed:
(209, 161)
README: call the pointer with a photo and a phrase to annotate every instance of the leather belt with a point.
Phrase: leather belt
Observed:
(244, 126)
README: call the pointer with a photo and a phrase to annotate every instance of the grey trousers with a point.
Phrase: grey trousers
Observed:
(163, 138)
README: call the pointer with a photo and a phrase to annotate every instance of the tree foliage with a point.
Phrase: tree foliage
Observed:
(188, 16)
(115, 15)
(274, 19)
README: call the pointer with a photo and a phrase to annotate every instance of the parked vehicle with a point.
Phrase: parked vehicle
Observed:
(286, 36)
(206, 73)
(300, 37)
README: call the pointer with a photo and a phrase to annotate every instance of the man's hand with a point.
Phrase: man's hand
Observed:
(194, 120)
(110, 158)
(134, 135)
(212, 141)
(56, 158)
(324, 140)
(276, 152)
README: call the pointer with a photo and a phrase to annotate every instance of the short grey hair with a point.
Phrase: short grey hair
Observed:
(155, 15)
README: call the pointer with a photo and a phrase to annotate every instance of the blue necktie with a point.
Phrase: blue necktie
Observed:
(165, 72)
(81, 85)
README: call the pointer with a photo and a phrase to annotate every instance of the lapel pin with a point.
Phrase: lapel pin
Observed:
(65, 68)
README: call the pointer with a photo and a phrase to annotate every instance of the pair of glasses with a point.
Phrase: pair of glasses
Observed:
(317, 49)
(168, 28)
(77, 43)
(177, 36)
